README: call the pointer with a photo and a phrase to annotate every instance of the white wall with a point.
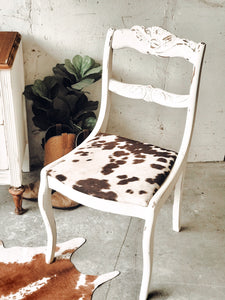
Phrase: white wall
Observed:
(53, 30)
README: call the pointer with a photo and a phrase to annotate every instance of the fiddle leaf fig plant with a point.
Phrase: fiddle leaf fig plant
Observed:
(84, 69)
(60, 98)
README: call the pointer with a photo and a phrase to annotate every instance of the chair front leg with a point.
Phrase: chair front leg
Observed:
(147, 247)
(177, 203)
(45, 206)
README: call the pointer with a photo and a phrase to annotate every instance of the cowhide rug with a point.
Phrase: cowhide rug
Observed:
(25, 275)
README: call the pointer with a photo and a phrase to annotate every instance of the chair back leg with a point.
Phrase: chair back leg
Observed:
(177, 203)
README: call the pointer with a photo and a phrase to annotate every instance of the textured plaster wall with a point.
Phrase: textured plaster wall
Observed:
(55, 30)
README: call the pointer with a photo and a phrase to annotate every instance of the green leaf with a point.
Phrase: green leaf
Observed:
(36, 111)
(96, 70)
(87, 64)
(63, 75)
(89, 123)
(61, 111)
(76, 128)
(41, 121)
(39, 88)
(40, 106)
(52, 86)
(29, 94)
(81, 102)
(77, 63)
(83, 83)
(91, 105)
(71, 101)
(82, 115)
(50, 81)
(82, 68)
(70, 68)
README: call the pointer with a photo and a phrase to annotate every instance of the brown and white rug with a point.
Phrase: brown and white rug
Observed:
(25, 275)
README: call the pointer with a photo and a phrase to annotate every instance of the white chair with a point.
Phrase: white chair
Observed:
(100, 172)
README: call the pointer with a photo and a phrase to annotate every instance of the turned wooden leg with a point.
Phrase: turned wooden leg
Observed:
(17, 193)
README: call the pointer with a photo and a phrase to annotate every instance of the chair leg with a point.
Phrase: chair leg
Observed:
(45, 206)
(147, 247)
(177, 203)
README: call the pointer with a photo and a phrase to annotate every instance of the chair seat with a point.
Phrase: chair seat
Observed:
(126, 171)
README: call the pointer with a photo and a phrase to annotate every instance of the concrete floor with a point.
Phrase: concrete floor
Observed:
(187, 265)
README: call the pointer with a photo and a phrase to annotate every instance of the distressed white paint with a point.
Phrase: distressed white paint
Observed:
(13, 133)
(150, 212)
(148, 93)
(177, 203)
(55, 30)
(147, 41)
(4, 165)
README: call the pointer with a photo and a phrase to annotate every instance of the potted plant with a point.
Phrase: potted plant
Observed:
(60, 98)
(61, 106)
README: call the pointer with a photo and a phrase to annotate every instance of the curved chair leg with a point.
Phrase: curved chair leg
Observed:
(177, 203)
(147, 246)
(45, 206)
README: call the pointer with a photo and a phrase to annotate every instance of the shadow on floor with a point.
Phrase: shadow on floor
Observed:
(158, 294)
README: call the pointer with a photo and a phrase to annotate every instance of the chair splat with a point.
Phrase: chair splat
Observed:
(148, 93)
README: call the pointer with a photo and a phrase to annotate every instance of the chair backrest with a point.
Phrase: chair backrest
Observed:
(159, 42)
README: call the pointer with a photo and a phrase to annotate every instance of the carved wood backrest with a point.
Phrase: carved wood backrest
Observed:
(155, 41)
(159, 42)
(151, 41)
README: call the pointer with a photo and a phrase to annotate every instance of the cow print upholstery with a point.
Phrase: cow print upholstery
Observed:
(24, 274)
(116, 168)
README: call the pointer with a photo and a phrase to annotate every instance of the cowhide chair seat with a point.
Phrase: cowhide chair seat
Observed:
(105, 166)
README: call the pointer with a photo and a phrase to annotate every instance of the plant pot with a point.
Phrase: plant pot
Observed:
(59, 140)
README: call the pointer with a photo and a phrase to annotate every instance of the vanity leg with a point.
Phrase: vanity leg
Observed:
(17, 193)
